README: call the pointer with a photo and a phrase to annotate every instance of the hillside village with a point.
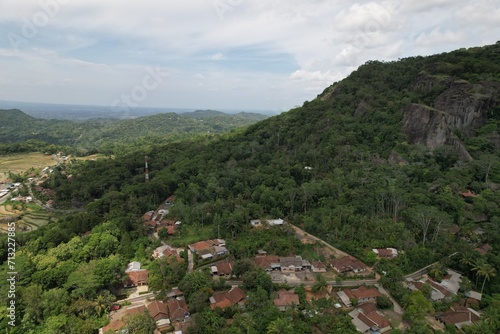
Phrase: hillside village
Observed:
(349, 287)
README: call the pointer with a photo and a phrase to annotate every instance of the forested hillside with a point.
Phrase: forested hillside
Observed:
(402, 154)
(109, 135)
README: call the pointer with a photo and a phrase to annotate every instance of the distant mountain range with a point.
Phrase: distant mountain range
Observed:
(78, 113)
(17, 126)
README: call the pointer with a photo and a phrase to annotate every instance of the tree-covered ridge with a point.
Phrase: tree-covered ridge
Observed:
(343, 166)
(107, 134)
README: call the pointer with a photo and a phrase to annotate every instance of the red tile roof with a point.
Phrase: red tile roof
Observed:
(158, 310)
(348, 263)
(362, 293)
(138, 277)
(229, 298)
(286, 298)
(177, 308)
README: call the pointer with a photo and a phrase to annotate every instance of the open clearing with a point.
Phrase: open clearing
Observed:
(18, 163)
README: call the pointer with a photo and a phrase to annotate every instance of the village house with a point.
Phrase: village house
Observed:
(119, 325)
(362, 294)
(290, 264)
(368, 320)
(286, 299)
(318, 267)
(275, 222)
(483, 249)
(167, 251)
(209, 249)
(447, 288)
(347, 264)
(157, 310)
(224, 299)
(386, 253)
(177, 309)
(135, 275)
(459, 316)
(222, 269)
(268, 263)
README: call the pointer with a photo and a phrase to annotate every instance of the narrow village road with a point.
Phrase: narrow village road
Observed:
(190, 261)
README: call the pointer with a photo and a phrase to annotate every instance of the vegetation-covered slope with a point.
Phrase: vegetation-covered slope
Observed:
(108, 135)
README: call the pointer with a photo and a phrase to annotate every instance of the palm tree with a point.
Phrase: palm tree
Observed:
(487, 271)
(279, 326)
(491, 316)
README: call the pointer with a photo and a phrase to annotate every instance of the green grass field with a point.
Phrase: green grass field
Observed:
(191, 234)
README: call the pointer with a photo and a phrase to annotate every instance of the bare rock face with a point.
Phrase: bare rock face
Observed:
(462, 107)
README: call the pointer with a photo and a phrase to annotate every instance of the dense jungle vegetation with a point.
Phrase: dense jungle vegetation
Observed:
(341, 166)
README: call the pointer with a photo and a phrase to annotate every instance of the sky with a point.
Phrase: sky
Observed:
(218, 54)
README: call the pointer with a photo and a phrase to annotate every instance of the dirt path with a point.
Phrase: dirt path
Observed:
(307, 238)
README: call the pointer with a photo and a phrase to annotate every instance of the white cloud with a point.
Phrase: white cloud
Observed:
(277, 51)
(217, 56)
(439, 37)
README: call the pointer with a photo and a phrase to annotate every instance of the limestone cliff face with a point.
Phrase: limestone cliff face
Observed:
(462, 107)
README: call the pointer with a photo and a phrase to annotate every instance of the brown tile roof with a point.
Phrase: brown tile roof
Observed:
(158, 310)
(265, 262)
(373, 319)
(318, 264)
(199, 246)
(457, 315)
(484, 248)
(286, 298)
(235, 295)
(138, 277)
(224, 268)
(135, 309)
(229, 298)
(114, 326)
(362, 293)
(367, 307)
(177, 308)
(348, 263)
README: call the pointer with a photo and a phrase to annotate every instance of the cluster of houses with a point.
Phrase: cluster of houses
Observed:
(155, 220)
(267, 222)
(365, 315)
(168, 314)
(209, 249)
(461, 313)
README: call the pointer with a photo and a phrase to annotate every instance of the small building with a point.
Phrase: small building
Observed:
(255, 222)
(386, 253)
(367, 319)
(347, 264)
(135, 275)
(224, 299)
(268, 263)
(177, 309)
(286, 299)
(459, 316)
(290, 264)
(157, 310)
(362, 294)
(275, 222)
(318, 267)
(222, 269)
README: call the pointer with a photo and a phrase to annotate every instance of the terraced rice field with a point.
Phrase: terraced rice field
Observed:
(25, 222)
